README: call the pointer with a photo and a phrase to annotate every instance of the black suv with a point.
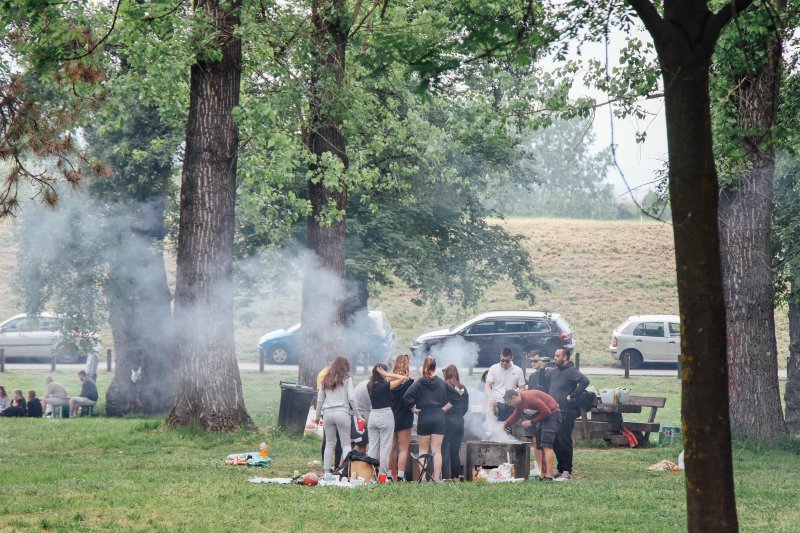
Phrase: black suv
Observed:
(525, 332)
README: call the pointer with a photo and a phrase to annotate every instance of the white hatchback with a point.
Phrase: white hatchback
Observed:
(38, 336)
(647, 339)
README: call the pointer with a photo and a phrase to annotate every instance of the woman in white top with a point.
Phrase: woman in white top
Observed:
(336, 403)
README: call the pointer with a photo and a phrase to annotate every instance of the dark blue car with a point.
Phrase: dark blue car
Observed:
(280, 346)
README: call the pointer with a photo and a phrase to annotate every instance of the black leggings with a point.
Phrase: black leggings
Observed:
(453, 435)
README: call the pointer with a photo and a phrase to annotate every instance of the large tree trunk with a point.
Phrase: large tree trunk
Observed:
(745, 222)
(704, 402)
(208, 388)
(322, 314)
(140, 315)
(792, 395)
(685, 39)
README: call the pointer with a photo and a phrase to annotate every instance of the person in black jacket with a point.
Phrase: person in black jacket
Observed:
(454, 422)
(539, 378)
(403, 421)
(431, 397)
(34, 405)
(566, 383)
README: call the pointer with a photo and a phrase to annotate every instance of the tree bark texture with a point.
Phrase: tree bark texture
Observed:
(208, 388)
(322, 313)
(685, 38)
(792, 394)
(140, 314)
(745, 222)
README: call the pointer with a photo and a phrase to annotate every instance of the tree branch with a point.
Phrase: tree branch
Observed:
(99, 42)
(729, 11)
(652, 20)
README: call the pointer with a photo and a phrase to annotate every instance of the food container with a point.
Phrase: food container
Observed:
(608, 396)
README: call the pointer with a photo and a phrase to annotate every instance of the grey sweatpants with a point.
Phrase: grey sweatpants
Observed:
(333, 422)
(381, 430)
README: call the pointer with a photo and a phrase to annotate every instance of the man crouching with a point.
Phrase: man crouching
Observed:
(539, 408)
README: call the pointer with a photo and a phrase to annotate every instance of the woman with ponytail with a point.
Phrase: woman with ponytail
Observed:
(431, 397)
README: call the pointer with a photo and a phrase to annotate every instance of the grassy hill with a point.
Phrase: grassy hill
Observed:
(599, 273)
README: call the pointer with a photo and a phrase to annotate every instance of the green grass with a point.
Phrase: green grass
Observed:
(136, 475)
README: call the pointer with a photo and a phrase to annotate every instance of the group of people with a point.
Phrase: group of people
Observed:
(18, 406)
(545, 406)
(55, 397)
(391, 399)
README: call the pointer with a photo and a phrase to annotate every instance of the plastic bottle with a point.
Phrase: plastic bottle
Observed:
(680, 461)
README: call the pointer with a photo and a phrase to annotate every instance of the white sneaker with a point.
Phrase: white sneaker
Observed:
(565, 476)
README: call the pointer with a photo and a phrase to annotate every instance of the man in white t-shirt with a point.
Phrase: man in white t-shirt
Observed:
(501, 377)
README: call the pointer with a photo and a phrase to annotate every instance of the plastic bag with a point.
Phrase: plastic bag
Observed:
(311, 428)
(681, 464)
(501, 473)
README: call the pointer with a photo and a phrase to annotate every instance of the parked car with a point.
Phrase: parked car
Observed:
(647, 339)
(369, 341)
(39, 336)
(525, 332)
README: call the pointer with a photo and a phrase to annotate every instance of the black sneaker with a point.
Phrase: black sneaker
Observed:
(547, 479)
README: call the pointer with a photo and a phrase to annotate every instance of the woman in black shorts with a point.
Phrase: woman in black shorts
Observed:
(431, 397)
(403, 420)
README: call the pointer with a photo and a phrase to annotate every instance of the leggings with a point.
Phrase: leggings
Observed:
(453, 435)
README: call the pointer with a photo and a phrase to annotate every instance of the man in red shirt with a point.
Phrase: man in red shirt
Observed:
(539, 408)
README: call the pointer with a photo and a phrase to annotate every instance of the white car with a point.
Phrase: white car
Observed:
(37, 336)
(647, 339)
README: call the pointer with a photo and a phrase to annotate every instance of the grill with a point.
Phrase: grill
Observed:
(490, 454)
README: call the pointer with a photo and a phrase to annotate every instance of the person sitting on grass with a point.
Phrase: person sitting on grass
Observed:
(540, 409)
(54, 396)
(34, 405)
(87, 397)
(4, 400)
(17, 407)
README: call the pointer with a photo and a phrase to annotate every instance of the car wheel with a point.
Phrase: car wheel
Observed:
(278, 355)
(68, 358)
(635, 358)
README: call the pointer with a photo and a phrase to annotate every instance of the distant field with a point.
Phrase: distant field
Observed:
(599, 273)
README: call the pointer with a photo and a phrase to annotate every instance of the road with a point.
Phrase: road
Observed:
(246, 366)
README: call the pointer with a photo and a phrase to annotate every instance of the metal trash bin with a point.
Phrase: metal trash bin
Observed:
(295, 402)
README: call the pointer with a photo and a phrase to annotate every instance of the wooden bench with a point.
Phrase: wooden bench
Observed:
(645, 428)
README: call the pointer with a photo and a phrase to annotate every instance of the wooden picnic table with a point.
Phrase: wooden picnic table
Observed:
(607, 420)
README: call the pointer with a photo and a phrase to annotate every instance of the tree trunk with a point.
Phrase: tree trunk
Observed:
(208, 388)
(322, 314)
(745, 222)
(792, 395)
(704, 402)
(685, 39)
(140, 315)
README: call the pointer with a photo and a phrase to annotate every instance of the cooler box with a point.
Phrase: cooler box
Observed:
(669, 435)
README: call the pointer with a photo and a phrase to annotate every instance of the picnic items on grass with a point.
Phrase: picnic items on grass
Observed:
(258, 458)
(664, 466)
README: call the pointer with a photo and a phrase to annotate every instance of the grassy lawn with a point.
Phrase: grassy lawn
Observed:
(134, 474)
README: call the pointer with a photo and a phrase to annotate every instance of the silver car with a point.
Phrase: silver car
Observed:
(647, 339)
(38, 336)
